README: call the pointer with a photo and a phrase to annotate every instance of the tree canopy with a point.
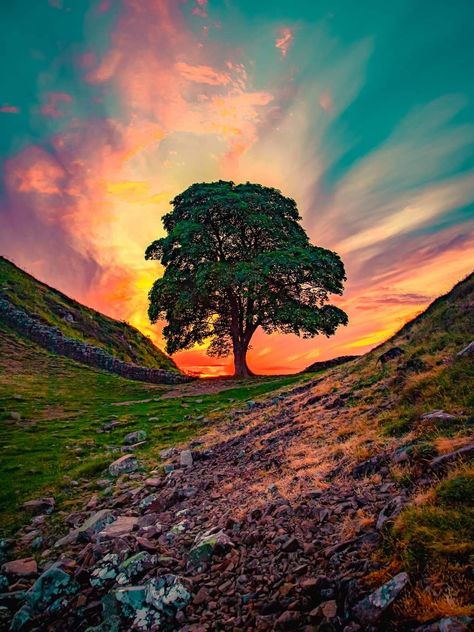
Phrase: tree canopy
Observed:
(236, 258)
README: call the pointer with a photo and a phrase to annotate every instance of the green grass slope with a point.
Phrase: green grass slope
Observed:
(77, 321)
(63, 404)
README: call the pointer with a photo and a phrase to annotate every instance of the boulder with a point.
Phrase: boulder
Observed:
(135, 567)
(134, 437)
(92, 525)
(48, 595)
(168, 594)
(25, 567)
(119, 528)
(40, 506)
(105, 571)
(206, 545)
(126, 463)
(371, 609)
(186, 458)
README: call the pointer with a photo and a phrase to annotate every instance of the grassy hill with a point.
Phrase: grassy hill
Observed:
(76, 321)
(52, 409)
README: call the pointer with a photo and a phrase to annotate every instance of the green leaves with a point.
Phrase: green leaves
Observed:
(236, 258)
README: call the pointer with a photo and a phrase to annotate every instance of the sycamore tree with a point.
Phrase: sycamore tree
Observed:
(236, 258)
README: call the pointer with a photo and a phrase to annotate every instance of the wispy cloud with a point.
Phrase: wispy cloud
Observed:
(284, 40)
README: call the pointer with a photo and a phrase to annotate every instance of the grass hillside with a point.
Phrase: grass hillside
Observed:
(62, 405)
(74, 320)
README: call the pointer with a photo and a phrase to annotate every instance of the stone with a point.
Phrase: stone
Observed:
(202, 596)
(40, 506)
(389, 512)
(93, 524)
(458, 455)
(14, 416)
(25, 567)
(438, 415)
(134, 437)
(135, 567)
(206, 545)
(367, 467)
(48, 595)
(150, 503)
(126, 463)
(291, 545)
(133, 447)
(131, 598)
(186, 458)
(168, 594)
(122, 526)
(168, 453)
(370, 610)
(153, 482)
(467, 351)
(288, 620)
(97, 521)
(329, 609)
(106, 570)
(147, 619)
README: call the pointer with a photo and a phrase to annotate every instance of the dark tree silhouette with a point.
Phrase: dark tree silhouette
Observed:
(235, 259)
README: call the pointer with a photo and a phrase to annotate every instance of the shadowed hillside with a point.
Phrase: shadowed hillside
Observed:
(75, 321)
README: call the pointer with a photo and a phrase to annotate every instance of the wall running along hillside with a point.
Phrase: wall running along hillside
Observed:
(53, 340)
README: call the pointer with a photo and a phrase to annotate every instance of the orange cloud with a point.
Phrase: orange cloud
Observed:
(202, 74)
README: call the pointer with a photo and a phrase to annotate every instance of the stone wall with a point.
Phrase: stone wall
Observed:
(52, 339)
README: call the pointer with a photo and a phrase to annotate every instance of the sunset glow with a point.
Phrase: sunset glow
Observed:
(129, 102)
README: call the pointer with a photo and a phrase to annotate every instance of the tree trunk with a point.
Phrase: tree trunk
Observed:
(240, 363)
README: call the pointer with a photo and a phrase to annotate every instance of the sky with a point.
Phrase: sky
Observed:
(363, 112)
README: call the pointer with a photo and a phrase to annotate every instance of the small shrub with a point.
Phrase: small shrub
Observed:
(457, 490)
(90, 468)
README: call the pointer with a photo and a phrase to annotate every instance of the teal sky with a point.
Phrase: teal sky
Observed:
(361, 111)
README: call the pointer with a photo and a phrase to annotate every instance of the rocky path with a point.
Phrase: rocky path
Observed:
(265, 524)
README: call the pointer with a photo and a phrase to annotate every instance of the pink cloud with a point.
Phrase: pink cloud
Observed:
(200, 8)
(326, 102)
(284, 40)
(104, 6)
(33, 171)
(54, 105)
(9, 109)
(106, 68)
